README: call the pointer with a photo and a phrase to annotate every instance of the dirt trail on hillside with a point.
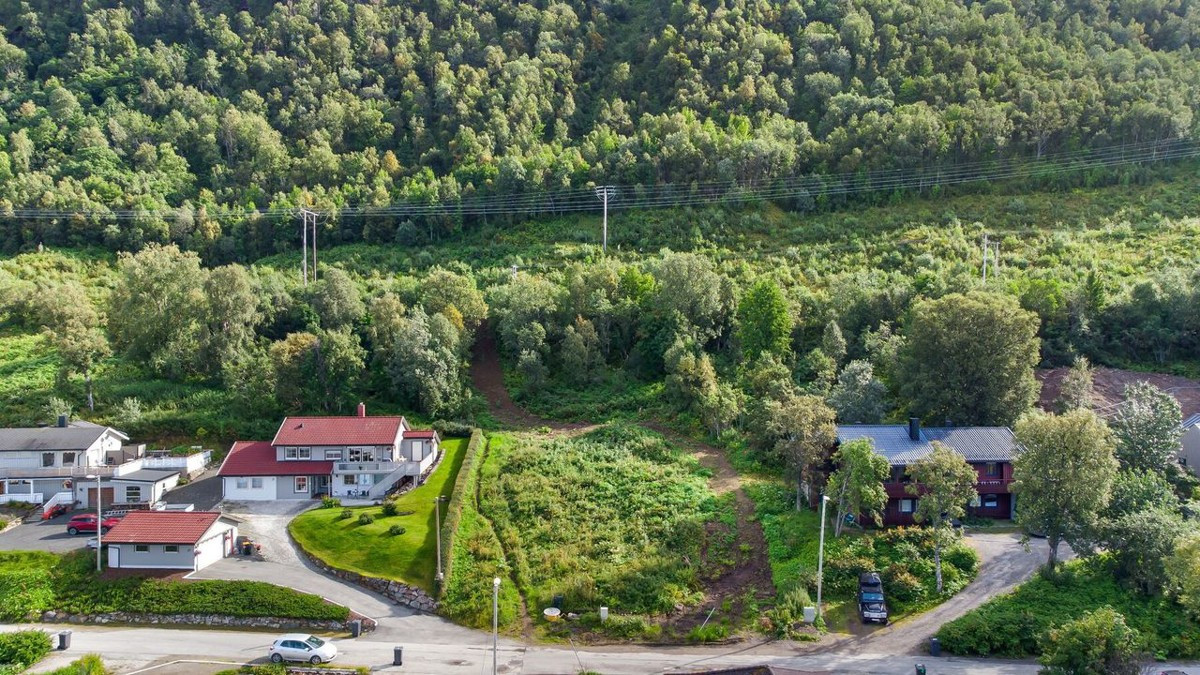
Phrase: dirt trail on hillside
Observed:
(488, 377)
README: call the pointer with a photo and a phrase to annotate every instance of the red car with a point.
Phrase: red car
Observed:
(86, 522)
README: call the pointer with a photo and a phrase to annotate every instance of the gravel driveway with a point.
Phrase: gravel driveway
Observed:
(1004, 564)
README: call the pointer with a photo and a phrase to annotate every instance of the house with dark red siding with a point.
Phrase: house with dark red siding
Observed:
(990, 450)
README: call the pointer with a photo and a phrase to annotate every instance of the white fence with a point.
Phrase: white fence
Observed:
(26, 497)
(187, 465)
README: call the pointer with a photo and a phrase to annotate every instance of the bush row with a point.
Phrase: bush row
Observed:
(464, 488)
(23, 648)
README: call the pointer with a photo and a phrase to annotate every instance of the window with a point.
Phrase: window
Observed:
(990, 501)
(256, 483)
(68, 459)
(906, 505)
(171, 549)
(242, 483)
(133, 493)
(142, 548)
(334, 455)
(304, 453)
(47, 459)
(993, 469)
(349, 479)
(289, 453)
(301, 484)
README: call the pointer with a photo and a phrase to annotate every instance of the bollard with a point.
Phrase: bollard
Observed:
(397, 656)
(355, 628)
(603, 614)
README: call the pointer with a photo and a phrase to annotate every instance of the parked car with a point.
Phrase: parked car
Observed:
(302, 647)
(86, 522)
(92, 543)
(871, 604)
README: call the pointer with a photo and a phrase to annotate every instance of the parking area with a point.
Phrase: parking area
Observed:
(45, 535)
(204, 491)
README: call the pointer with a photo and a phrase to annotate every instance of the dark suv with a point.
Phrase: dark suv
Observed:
(871, 604)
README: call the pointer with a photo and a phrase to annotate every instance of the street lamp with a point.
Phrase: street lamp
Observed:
(437, 526)
(495, 620)
(821, 554)
(99, 518)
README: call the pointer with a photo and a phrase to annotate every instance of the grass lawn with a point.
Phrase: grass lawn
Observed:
(370, 549)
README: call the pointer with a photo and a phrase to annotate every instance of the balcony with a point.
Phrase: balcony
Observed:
(366, 467)
(59, 472)
(982, 485)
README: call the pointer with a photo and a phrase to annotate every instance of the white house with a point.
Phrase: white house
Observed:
(43, 461)
(1189, 453)
(182, 540)
(359, 457)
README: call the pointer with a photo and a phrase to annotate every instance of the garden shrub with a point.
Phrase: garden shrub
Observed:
(24, 593)
(389, 508)
(365, 519)
(963, 557)
(901, 585)
(24, 647)
(345, 514)
(396, 530)
(330, 502)
(1097, 642)
(89, 664)
(711, 632)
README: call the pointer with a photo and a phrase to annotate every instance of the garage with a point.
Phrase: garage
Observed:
(179, 540)
(107, 495)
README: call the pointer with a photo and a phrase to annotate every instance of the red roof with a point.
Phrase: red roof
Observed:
(257, 458)
(161, 527)
(420, 433)
(339, 431)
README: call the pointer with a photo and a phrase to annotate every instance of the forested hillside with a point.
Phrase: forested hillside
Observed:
(183, 110)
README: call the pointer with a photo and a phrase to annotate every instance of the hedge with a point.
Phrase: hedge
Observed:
(25, 647)
(464, 488)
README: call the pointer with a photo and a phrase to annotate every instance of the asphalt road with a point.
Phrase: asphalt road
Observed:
(1004, 564)
(132, 650)
(43, 535)
(204, 491)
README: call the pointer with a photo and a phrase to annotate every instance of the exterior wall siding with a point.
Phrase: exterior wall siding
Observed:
(248, 493)
(285, 488)
(1190, 452)
(157, 557)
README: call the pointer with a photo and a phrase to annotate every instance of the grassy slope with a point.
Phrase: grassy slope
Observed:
(369, 549)
(1012, 624)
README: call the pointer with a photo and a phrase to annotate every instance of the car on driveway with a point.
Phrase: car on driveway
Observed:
(86, 522)
(302, 647)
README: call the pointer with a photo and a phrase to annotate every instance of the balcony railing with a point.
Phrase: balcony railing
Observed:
(985, 485)
(366, 467)
(58, 472)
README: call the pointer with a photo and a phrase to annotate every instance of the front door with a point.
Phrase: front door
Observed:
(322, 485)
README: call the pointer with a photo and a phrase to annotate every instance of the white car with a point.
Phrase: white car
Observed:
(302, 647)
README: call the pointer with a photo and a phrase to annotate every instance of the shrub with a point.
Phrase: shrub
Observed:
(345, 514)
(389, 509)
(1097, 642)
(89, 664)
(25, 647)
(452, 429)
(902, 585)
(963, 557)
(627, 626)
(711, 632)
(330, 502)
(24, 593)
(396, 530)
(365, 519)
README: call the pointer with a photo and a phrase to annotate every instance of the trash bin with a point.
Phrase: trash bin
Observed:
(935, 647)
(557, 602)
(355, 628)
(64, 640)
(397, 656)
(247, 548)
(920, 669)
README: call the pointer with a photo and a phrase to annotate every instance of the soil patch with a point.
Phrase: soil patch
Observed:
(488, 377)
(1109, 388)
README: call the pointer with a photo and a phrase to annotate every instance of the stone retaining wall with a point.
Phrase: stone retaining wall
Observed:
(274, 623)
(397, 592)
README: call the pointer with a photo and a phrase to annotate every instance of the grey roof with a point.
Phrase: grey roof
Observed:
(146, 475)
(53, 438)
(1191, 421)
(975, 444)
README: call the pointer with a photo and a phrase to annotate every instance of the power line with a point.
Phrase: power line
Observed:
(637, 197)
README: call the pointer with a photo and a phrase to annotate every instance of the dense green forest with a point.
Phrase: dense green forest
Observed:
(181, 112)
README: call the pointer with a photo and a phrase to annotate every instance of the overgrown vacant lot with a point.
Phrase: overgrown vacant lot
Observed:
(372, 549)
(614, 518)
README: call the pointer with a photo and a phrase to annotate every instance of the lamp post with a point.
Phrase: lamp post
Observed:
(437, 526)
(495, 621)
(821, 554)
(99, 519)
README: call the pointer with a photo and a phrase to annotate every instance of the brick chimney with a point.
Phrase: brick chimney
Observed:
(362, 409)
(914, 428)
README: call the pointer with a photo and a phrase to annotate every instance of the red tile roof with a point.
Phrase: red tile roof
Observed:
(420, 433)
(161, 527)
(257, 458)
(339, 430)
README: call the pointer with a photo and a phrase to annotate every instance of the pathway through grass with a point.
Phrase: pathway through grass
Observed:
(370, 549)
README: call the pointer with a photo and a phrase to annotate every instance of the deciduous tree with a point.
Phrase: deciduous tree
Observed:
(856, 486)
(805, 431)
(1146, 428)
(763, 322)
(859, 397)
(71, 324)
(1097, 643)
(944, 483)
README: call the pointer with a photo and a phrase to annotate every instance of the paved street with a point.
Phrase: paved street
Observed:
(43, 535)
(130, 650)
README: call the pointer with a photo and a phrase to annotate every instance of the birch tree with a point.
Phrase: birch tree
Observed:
(857, 485)
(945, 484)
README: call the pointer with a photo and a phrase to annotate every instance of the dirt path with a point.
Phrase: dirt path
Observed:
(1004, 564)
(750, 570)
(488, 377)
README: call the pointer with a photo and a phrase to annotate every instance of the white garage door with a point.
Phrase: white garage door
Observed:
(214, 548)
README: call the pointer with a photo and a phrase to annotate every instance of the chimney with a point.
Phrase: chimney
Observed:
(62, 421)
(914, 428)
(362, 409)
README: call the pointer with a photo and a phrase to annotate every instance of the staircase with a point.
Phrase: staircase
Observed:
(381, 487)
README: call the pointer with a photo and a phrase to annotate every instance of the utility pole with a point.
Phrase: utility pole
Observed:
(437, 522)
(821, 554)
(603, 193)
(495, 621)
(304, 247)
(986, 248)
